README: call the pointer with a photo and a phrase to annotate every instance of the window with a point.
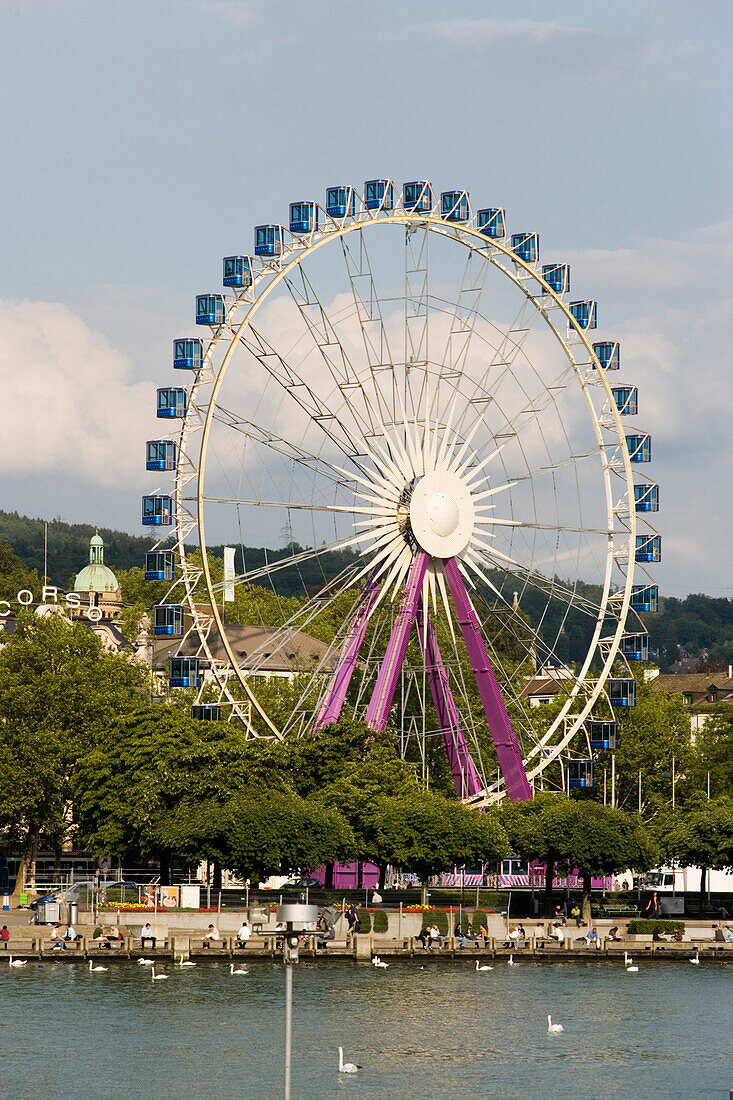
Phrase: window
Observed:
(687, 700)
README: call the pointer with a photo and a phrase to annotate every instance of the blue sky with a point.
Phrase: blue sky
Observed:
(142, 141)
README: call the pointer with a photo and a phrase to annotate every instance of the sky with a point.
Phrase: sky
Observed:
(143, 139)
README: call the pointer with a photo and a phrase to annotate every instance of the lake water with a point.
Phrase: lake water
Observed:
(442, 1031)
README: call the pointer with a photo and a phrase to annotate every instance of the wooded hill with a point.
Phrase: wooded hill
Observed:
(697, 623)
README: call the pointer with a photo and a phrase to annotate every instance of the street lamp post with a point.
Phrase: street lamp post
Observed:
(295, 918)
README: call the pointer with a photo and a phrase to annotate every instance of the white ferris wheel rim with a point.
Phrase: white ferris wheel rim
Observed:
(565, 728)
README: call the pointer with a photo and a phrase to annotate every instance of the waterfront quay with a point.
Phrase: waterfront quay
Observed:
(173, 944)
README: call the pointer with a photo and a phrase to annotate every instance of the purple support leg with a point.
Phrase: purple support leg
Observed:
(502, 734)
(463, 769)
(384, 689)
(330, 708)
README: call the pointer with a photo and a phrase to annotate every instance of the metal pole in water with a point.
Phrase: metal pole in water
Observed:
(288, 1024)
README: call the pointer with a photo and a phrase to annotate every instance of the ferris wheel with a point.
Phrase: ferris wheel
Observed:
(398, 390)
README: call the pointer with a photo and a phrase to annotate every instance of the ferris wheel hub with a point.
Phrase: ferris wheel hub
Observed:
(441, 514)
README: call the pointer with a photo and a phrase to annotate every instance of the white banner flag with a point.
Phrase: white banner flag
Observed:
(228, 574)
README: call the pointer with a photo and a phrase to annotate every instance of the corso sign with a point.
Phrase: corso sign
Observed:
(50, 595)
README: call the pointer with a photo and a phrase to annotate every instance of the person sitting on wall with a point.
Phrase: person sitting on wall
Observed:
(243, 935)
(4, 936)
(458, 933)
(146, 933)
(613, 933)
(211, 936)
(424, 938)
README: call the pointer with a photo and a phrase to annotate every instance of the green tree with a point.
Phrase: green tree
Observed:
(428, 833)
(272, 831)
(14, 576)
(59, 690)
(700, 835)
(583, 835)
(358, 793)
(157, 773)
(651, 735)
(711, 755)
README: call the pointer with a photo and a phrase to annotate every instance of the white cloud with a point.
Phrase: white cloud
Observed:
(246, 14)
(529, 48)
(70, 407)
(669, 303)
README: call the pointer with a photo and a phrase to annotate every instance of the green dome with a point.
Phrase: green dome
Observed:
(96, 577)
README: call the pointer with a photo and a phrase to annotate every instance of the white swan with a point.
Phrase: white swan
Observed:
(483, 967)
(145, 962)
(346, 1067)
(511, 962)
(696, 957)
(17, 962)
(553, 1029)
(381, 965)
(629, 964)
(158, 977)
(239, 970)
(185, 962)
(95, 969)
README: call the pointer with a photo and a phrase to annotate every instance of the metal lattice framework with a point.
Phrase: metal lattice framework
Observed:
(401, 390)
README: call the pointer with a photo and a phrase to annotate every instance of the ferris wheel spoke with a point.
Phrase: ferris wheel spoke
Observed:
(538, 581)
(373, 330)
(326, 339)
(510, 345)
(349, 443)
(495, 521)
(279, 445)
(288, 504)
(277, 566)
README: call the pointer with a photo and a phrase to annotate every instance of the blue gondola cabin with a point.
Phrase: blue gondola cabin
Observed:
(492, 222)
(646, 497)
(603, 736)
(159, 565)
(417, 196)
(157, 511)
(580, 773)
(172, 402)
(557, 277)
(639, 447)
(379, 195)
(526, 246)
(210, 309)
(168, 620)
(635, 647)
(622, 692)
(454, 206)
(188, 354)
(160, 454)
(585, 314)
(184, 672)
(237, 272)
(340, 202)
(303, 217)
(206, 712)
(608, 354)
(268, 240)
(626, 399)
(645, 597)
(648, 548)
